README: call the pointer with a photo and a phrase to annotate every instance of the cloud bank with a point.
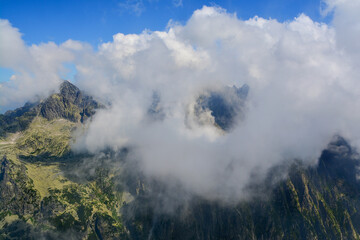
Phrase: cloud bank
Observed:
(303, 78)
(37, 68)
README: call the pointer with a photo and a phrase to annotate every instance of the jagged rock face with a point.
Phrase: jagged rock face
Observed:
(155, 111)
(59, 107)
(225, 105)
(17, 194)
(339, 161)
(70, 92)
(70, 104)
(18, 119)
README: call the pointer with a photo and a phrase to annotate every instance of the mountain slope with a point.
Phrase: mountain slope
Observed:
(70, 103)
(312, 203)
(49, 192)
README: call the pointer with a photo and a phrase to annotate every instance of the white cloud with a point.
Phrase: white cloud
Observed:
(301, 91)
(12, 46)
(303, 79)
(347, 24)
(37, 67)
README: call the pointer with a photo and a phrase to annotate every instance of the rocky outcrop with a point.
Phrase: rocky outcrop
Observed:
(17, 193)
(18, 119)
(70, 104)
(226, 105)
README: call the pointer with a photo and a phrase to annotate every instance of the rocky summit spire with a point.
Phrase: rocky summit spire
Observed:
(70, 91)
(70, 104)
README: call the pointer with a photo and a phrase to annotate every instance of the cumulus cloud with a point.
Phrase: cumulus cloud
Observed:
(302, 92)
(303, 79)
(12, 46)
(347, 23)
(37, 68)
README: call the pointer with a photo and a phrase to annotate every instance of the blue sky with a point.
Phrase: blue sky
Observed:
(96, 21)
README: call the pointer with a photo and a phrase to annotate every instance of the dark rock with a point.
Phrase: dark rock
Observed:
(105, 229)
(17, 193)
(155, 111)
(225, 105)
(70, 92)
(340, 161)
(18, 119)
(57, 106)
(70, 104)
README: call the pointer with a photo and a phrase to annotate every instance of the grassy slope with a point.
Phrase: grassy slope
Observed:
(42, 137)
(80, 203)
(304, 205)
(51, 138)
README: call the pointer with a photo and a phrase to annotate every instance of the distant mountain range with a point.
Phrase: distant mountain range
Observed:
(49, 192)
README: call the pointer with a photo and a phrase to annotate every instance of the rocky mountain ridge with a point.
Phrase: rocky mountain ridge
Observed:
(70, 103)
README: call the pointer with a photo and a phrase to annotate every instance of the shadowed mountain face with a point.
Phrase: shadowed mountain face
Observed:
(339, 161)
(225, 105)
(321, 202)
(51, 193)
(155, 111)
(18, 119)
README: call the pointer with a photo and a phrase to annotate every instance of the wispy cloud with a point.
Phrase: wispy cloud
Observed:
(177, 3)
(136, 7)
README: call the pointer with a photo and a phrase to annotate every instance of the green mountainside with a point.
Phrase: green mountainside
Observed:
(49, 192)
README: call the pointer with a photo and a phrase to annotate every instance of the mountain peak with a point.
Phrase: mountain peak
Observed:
(70, 104)
(69, 91)
(225, 105)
